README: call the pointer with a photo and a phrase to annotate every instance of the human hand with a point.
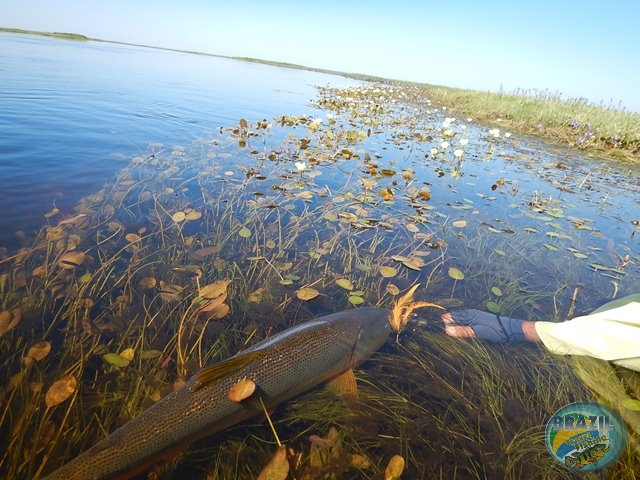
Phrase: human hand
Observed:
(484, 325)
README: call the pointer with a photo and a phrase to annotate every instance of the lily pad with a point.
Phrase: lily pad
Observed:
(456, 274)
(178, 217)
(60, 390)
(307, 293)
(345, 283)
(356, 300)
(388, 272)
(116, 359)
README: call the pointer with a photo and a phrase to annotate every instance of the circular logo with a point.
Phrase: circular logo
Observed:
(586, 436)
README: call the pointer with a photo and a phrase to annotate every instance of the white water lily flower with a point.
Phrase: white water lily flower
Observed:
(494, 132)
(301, 166)
(458, 153)
(434, 151)
(507, 134)
(444, 145)
(447, 133)
(464, 141)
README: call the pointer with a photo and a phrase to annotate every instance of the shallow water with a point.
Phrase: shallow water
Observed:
(73, 113)
(356, 208)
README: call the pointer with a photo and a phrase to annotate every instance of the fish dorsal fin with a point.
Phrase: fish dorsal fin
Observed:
(210, 375)
(344, 384)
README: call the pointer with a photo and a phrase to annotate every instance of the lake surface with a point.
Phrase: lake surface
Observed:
(203, 204)
(73, 113)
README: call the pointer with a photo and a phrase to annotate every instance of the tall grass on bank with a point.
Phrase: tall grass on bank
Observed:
(575, 122)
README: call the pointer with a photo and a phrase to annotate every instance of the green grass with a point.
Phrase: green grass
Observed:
(614, 132)
(68, 36)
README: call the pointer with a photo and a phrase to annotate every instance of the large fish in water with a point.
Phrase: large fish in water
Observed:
(279, 368)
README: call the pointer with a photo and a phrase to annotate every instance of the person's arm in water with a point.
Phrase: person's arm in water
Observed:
(612, 332)
(488, 326)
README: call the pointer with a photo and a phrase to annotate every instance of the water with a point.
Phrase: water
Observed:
(165, 197)
(73, 113)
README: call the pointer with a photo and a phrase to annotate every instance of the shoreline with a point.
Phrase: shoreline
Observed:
(604, 131)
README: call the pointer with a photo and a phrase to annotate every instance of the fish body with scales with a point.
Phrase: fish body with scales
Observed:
(281, 367)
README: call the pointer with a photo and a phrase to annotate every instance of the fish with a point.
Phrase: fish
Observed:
(591, 455)
(229, 392)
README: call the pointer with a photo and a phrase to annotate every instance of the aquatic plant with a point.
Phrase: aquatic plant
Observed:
(192, 253)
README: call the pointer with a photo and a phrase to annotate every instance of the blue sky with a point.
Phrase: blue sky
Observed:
(578, 48)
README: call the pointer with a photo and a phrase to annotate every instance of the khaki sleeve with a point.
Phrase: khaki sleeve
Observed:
(612, 335)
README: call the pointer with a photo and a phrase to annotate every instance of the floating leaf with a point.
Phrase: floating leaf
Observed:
(307, 293)
(549, 246)
(71, 260)
(412, 227)
(500, 252)
(492, 306)
(60, 390)
(241, 390)
(496, 291)
(388, 272)
(345, 283)
(147, 283)
(394, 469)
(414, 263)
(128, 353)
(206, 305)
(178, 217)
(360, 461)
(270, 244)
(356, 300)
(456, 274)
(52, 213)
(597, 266)
(116, 360)
(579, 255)
(132, 237)
(218, 312)
(150, 354)
(8, 320)
(392, 289)
(204, 252)
(286, 281)
(170, 293)
(214, 290)
(193, 215)
(459, 223)
(244, 232)
(257, 295)
(39, 351)
(278, 467)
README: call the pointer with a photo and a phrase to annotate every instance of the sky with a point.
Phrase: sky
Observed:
(588, 49)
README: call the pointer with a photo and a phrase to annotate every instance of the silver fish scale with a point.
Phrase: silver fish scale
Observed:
(289, 363)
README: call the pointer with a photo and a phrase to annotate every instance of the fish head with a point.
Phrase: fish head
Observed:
(373, 331)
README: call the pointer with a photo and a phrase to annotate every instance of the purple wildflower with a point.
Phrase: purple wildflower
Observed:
(580, 140)
(588, 135)
(574, 124)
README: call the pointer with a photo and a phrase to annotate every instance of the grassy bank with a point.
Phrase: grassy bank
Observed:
(68, 36)
(596, 129)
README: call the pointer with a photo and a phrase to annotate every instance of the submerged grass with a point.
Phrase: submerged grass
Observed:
(298, 217)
